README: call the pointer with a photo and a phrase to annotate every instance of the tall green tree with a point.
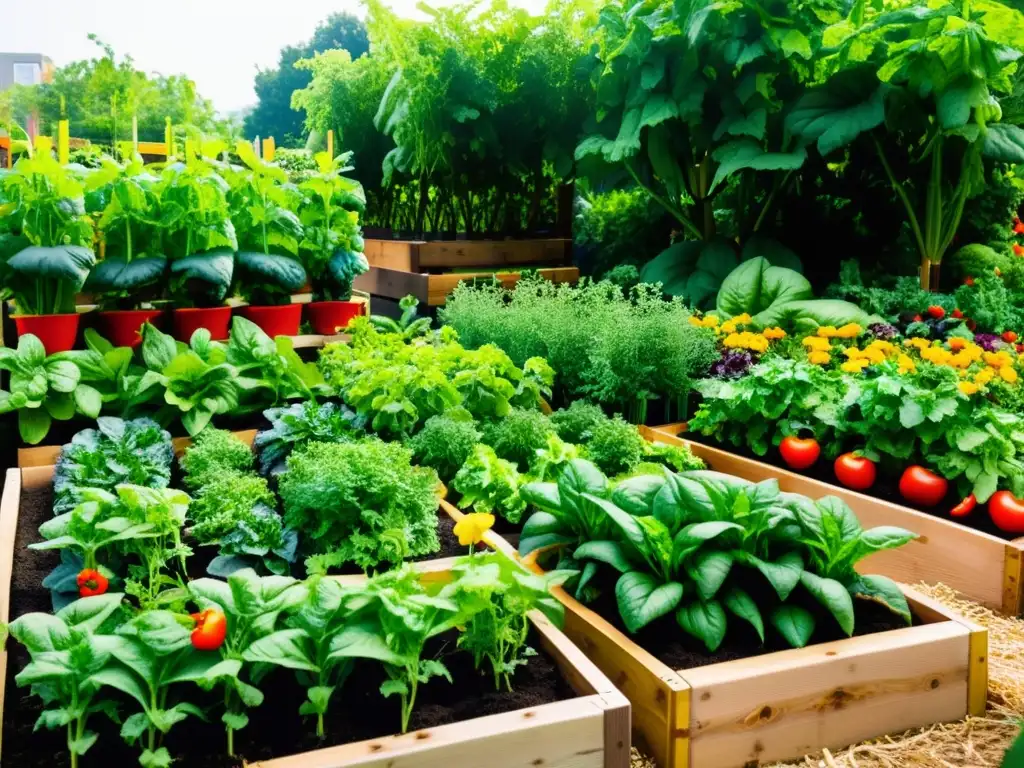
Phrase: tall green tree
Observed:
(273, 114)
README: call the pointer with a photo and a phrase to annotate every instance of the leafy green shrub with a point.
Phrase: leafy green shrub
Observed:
(577, 421)
(905, 295)
(490, 484)
(626, 276)
(676, 457)
(138, 452)
(293, 426)
(987, 217)
(215, 452)
(226, 498)
(616, 446)
(607, 348)
(361, 502)
(618, 228)
(977, 260)
(991, 305)
(445, 442)
(518, 436)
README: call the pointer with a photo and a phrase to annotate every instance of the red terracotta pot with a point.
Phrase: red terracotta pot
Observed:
(280, 320)
(214, 319)
(330, 317)
(123, 328)
(57, 332)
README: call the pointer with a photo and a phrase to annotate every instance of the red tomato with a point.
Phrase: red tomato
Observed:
(968, 281)
(855, 471)
(917, 318)
(919, 486)
(965, 507)
(91, 582)
(936, 311)
(211, 629)
(1009, 337)
(1007, 512)
(957, 314)
(799, 453)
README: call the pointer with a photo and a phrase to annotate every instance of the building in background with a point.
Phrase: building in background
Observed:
(25, 69)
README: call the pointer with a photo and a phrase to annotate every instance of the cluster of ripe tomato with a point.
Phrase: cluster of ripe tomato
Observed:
(917, 485)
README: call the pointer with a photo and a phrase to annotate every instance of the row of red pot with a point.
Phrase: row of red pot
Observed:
(121, 328)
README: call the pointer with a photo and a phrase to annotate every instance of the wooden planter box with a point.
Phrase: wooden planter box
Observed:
(589, 731)
(985, 568)
(402, 267)
(783, 705)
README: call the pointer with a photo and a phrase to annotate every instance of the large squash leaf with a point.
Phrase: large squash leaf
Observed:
(203, 277)
(283, 271)
(121, 275)
(756, 285)
(68, 263)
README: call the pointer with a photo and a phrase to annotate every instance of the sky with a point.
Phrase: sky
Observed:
(217, 43)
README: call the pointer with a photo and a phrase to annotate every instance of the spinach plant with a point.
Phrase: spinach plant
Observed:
(252, 606)
(45, 388)
(66, 652)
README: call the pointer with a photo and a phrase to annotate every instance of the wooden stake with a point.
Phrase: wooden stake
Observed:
(135, 134)
(63, 141)
(330, 143)
(269, 149)
(168, 138)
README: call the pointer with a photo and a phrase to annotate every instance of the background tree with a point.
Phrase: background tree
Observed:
(273, 114)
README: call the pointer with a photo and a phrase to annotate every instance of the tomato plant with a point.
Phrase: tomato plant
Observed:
(965, 507)
(854, 471)
(210, 631)
(799, 452)
(921, 486)
(1007, 512)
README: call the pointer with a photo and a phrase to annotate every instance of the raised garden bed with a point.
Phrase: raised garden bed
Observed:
(431, 270)
(758, 709)
(566, 713)
(982, 566)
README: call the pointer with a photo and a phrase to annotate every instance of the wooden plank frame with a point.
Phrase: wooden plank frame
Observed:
(783, 705)
(983, 567)
(433, 290)
(589, 731)
(423, 256)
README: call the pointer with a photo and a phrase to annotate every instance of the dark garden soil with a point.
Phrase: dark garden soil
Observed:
(276, 729)
(669, 644)
(886, 487)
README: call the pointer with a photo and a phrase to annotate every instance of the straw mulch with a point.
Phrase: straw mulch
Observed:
(977, 742)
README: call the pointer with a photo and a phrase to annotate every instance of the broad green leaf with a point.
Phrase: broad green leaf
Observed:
(709, 571)
(833, 596)
(705, 621)
(783, 574)
(642, 599)
(609, 552)
(795, 624)
(740, 604)
(291, 648)
(881, 589)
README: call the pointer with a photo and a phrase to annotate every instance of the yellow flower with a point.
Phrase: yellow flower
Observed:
(729, 326)
(773, 333)
(1007, 374)
(874, 355)
(817, 343)
(849, 331)
(746, 340)
(968, 387)
(882, 346)
(906, 365)
(998, 359)
(742, 319)
(961, 360)
(819, 357)
(936, 355)
(696, 321)
(853, 353)
(917, 342)
(471, 528)
(984, 376)
(827, 331)
(956, 343)
(854, 366)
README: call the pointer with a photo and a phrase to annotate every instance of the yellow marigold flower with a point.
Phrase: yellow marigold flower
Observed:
(998, 359)
(818, 357)
(827, 331)
(853, 353)
(1008, 374)
(471, 528)
(961, 360)
(849, 331)
(742, 319)
(817, 343)
(874, 355)
(773, 333)
(984, 376)
(729, 326)
(956, 343)
(917, 342)
(968, 387)
(936, 355)
(906, 365)
(854, 366)
(882, 346)
(696, 321)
